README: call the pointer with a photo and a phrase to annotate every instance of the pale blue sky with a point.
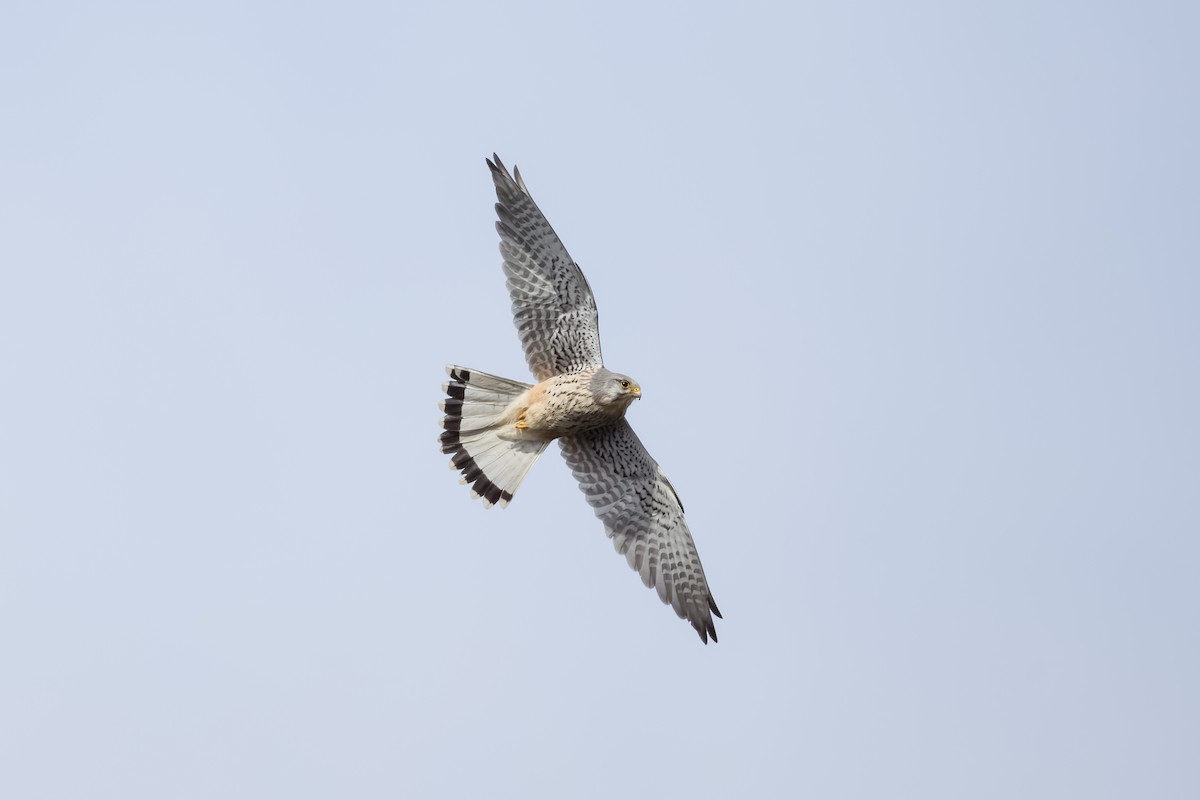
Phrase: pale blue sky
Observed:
(912, 291)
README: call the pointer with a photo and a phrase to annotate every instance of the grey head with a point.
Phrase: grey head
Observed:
(614, 389)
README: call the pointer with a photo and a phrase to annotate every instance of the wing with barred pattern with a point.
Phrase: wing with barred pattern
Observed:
(643, 516)
(552, 304)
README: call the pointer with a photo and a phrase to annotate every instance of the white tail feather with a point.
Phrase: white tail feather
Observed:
(474, 405)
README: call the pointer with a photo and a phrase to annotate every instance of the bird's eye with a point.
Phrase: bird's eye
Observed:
(624, 384)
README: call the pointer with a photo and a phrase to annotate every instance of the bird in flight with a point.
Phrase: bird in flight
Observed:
(495, 428)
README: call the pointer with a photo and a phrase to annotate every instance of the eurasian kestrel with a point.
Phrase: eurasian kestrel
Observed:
(496, 428)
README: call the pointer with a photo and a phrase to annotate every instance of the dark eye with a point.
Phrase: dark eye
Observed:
(624, 384)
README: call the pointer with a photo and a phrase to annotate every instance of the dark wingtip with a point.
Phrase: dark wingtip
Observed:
(502, 178)
(706, 629)
(497, 167)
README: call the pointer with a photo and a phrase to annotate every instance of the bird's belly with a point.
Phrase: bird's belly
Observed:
(556, 407)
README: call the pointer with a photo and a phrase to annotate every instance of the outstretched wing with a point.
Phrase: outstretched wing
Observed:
(552, 303)
(644, 518)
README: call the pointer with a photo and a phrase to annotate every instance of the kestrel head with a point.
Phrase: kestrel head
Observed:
(614, 389)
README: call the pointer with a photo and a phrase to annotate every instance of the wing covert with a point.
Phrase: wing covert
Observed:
(643, 516)
(552, 304)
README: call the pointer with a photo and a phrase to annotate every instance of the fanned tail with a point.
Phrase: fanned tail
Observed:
(494, 466)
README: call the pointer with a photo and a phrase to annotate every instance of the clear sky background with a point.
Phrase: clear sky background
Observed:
(913, 292)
